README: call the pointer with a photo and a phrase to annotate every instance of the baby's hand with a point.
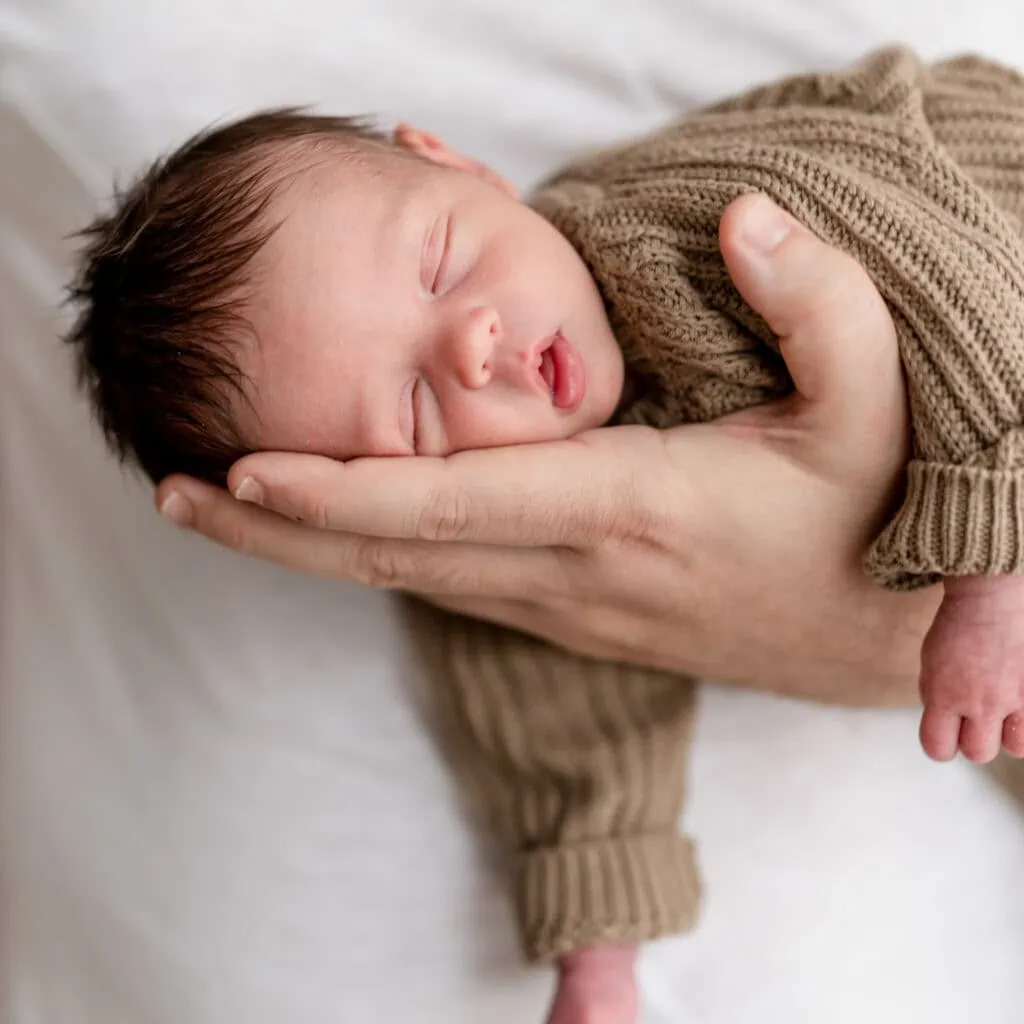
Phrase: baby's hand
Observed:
(972, 670)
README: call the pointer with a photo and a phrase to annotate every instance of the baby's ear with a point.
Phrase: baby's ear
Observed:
(431, 147)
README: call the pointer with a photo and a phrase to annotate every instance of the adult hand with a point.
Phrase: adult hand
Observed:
(729, 550)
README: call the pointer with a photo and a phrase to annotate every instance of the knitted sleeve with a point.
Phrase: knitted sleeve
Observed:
(923, 181)
(918, 173)
(577, 768)
(959, 308)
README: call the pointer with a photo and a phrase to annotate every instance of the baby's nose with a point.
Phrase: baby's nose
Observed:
(475, 346)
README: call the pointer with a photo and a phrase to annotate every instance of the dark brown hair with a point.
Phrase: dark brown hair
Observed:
(164, 281)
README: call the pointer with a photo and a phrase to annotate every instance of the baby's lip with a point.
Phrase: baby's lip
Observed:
(562, 371)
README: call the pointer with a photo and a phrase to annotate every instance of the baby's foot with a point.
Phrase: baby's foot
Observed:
(972, 670)
(597, 986)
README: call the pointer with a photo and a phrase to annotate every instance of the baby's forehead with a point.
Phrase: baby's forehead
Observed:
(325, 163)
(306, 180)
(339, 227)
(354, 194)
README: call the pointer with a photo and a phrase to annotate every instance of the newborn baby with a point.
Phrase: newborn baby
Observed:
(309, 284)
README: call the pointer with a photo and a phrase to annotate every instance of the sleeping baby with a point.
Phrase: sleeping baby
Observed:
(307, 283)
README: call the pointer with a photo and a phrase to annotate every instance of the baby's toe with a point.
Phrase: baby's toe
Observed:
(1013, 734)
(980, 739)
(940, 734)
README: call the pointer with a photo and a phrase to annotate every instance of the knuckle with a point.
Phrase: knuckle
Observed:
(233, 528)
(645, 514)
(411, 566)
(577, 529)
(314, 513)
(622, 511)
(381, 567)
(236, 537)
(444, 516)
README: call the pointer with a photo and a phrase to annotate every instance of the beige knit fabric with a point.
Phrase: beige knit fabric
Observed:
(576, 767)
(918, 173)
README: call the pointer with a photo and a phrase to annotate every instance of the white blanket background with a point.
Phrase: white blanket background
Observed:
(219, 803)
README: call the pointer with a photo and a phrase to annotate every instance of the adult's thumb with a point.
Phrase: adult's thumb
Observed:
(834, 329)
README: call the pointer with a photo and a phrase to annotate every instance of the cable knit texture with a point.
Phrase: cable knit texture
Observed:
(916, 171)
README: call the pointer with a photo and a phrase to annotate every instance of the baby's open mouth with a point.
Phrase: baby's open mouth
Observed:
(561, 368)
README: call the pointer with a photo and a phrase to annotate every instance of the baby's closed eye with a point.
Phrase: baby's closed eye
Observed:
(436, 250)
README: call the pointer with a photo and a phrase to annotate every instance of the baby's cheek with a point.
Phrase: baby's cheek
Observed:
(599, 412)
(470, 421)
(489, 418)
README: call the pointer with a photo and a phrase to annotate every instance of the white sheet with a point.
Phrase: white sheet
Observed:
(219, 803)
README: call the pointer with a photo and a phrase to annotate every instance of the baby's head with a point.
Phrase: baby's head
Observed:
(303, 283)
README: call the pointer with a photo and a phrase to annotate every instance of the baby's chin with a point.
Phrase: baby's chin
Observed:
(607, 394)
(593, 414)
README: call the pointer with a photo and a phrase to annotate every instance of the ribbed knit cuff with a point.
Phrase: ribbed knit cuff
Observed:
(955, 521)
(606, 892)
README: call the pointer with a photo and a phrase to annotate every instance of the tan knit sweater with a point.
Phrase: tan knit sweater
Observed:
(916, 171)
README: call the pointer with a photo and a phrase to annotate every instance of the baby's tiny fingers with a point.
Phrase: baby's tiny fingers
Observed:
(1013, 734)
(940, 733)
(980, 739)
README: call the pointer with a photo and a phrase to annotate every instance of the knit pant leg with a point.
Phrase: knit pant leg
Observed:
(578, 767)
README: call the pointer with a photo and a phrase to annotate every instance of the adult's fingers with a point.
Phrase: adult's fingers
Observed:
(835, 331)
(567, 493)
(452, 569)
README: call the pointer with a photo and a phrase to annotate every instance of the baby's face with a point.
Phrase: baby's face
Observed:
(405, 307)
